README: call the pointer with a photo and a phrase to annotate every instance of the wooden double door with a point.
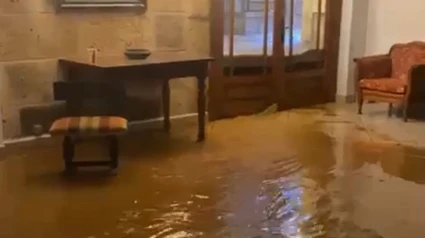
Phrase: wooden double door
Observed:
(268, 52)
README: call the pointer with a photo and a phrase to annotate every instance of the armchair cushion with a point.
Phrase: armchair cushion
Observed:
(390, 85)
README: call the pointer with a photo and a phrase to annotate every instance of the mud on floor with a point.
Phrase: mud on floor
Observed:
(303, 173)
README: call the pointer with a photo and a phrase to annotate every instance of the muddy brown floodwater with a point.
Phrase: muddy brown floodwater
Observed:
(298, 174)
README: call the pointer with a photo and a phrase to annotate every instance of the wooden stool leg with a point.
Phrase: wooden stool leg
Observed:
(360, 103)
(68, 153)
(113, 151)
(405, 111)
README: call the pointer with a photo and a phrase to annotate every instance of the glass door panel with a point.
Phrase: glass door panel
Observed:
(303, 34)
(248, 29)
(248, 37)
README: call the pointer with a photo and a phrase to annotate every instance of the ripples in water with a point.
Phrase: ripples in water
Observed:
(231, 186)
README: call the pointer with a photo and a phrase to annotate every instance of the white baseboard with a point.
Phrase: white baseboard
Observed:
(160, 119)
(135, 124)
(24, 139)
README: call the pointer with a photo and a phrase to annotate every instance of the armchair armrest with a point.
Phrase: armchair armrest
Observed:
(378, 66)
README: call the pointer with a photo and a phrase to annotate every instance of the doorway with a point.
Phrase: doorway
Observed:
(272, 51)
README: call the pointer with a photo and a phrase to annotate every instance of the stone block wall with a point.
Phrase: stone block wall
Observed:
(33, 35)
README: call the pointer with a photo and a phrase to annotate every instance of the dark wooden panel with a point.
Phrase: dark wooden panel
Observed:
(244, 95)
(248, 92)
(244, 107)
(311, 59)
(246, 70)
(245, 80)
(301, 91)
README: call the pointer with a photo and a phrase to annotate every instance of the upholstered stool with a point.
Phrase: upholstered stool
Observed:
(109, 125)
(89, 126)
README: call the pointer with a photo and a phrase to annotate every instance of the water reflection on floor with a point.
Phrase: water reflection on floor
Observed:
(304, 173)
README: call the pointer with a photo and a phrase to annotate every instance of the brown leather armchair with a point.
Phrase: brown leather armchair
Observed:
(397, 78)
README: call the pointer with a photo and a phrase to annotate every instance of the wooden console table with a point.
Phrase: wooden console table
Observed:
(158, 66)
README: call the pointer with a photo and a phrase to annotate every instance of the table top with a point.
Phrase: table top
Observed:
(154, 59)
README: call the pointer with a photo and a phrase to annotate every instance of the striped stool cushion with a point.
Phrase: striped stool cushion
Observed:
(89, 125)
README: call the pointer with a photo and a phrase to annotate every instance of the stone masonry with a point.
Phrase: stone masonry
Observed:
(33, 35)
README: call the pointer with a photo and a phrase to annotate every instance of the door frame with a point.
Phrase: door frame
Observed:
(332, 39)
(277, 82)
(219, 82)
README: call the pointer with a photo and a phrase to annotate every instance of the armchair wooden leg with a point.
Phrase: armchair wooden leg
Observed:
(390, 110)
(68, 149)
(113, 151)
(360, 103)
(405, 105)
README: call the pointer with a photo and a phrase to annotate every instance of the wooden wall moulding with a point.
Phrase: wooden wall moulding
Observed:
(63, 4)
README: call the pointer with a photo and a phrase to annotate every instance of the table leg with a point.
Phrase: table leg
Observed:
(166, 104)
(201, 108)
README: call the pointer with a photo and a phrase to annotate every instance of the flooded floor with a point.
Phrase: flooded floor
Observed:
(320, 172)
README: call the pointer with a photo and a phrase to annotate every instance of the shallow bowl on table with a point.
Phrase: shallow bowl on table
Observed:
(137, 53)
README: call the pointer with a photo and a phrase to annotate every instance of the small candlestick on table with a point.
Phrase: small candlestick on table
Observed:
(92, 54)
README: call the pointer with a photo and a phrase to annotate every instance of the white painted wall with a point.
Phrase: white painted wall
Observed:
(344, 48)
(394, 21)
(370, 27)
